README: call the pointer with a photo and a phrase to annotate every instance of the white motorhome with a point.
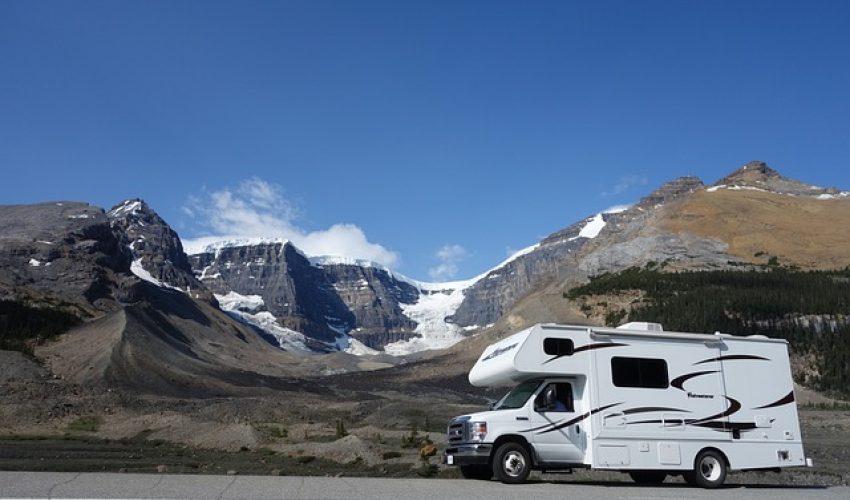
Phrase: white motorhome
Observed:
(634, 399)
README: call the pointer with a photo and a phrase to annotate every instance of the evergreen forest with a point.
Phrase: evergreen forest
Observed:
(810, 309)
(21, 325)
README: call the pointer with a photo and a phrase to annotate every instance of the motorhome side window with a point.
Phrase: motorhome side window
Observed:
(558, 347)
(639, 372)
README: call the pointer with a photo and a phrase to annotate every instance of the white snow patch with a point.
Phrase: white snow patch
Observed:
(237, 302)
(825, 196)
(35, 263)
(593, 227)
(247, 309)
(45, 242)
(733, 187)
(358, 348)
(333, 260)
(80, 216)
(430, 314)
(137, 269)
(287, 339)
(131, 207)
(205, 276)
(214, 245)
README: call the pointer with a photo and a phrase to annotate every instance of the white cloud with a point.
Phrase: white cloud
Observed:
(626, 182)
(449, 256)
(258, 209)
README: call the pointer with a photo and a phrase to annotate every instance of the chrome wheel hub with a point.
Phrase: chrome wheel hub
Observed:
(710, 469)
(514, 463)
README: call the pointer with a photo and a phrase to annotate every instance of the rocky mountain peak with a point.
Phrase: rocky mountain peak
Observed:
(670, 191)
(753, 173)
(156, 248)
(759, 176)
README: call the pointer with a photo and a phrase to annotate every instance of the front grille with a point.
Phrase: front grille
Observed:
(457, 432)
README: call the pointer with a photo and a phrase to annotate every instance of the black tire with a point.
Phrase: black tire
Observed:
(511, 464)
(648, 476)
(482, 472)
(709, 470)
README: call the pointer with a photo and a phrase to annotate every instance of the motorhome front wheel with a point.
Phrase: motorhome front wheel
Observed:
(512, 463)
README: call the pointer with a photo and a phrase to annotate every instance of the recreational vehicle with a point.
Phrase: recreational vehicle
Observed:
(634, 399)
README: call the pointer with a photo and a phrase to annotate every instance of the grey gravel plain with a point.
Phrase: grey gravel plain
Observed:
(56, 485)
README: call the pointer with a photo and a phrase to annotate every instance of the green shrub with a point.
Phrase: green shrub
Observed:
(340, 429)
(85, 424)
(278, 432)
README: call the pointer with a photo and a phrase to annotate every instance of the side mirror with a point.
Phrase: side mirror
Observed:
(491, 405)
(549, 397)
(546, 400)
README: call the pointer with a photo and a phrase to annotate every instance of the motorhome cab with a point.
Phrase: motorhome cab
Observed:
(634, 399)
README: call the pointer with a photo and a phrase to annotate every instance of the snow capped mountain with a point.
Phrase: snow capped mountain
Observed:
(363, 307)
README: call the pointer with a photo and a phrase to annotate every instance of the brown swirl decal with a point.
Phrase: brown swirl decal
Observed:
(560, 425)
(788, 398)
(732, 357)
(679, 381)
(588, 347)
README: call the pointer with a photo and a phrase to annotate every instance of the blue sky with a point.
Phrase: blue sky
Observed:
(435, 136)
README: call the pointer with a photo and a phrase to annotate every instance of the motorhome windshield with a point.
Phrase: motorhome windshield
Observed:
(518, 396)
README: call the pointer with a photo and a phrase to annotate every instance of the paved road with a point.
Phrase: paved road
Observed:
(126, 486)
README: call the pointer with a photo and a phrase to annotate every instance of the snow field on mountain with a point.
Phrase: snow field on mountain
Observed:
(430, 313)
(246, 308)
(438, 301)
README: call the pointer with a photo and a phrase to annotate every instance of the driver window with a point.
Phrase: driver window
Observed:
(555, 397)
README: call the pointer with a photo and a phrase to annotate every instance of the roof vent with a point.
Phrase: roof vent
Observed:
(642, 326)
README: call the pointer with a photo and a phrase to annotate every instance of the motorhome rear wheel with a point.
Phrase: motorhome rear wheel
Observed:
(709, 469)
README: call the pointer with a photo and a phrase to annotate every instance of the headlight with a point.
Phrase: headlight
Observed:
(477, 431)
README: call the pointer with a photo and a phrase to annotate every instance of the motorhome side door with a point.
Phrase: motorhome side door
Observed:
(556, 433)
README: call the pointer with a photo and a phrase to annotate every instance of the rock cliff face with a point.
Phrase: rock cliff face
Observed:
(156, 248)
(488, 299)
(64, 254)
(374, 297)
(325, 299)
(563, 255)
(297, 293)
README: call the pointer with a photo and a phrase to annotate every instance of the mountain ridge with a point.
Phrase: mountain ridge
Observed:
(599, 243)
(327, 304)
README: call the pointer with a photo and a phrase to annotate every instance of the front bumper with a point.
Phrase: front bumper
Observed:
(468, 454)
